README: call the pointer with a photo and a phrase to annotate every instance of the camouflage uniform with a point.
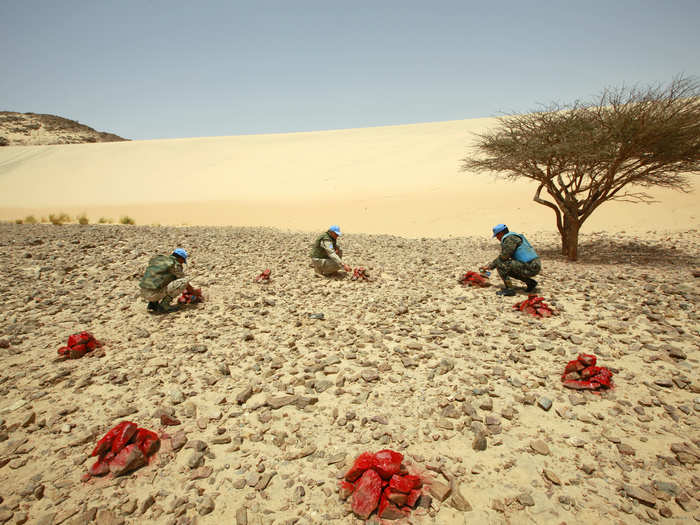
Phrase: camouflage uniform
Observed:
(163, 278)
(326, 255)
(508, 267)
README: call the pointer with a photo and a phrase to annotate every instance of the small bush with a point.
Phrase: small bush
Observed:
(44, 220)
(82, 219)
(126, 220)
(59, 219)
(30, 219)
(19, 221)
(105, 220)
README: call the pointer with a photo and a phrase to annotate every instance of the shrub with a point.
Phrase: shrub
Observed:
(82, 219)
(19, 221)
(126, 220)
(30, 219)
(105, 220)
(59, 219)
(44, 220)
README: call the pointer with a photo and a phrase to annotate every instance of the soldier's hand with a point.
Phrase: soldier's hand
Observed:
(347, 268)
(482, 268)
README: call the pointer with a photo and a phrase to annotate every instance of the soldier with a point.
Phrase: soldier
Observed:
(164, 280)
(517, 259)
(326, 255)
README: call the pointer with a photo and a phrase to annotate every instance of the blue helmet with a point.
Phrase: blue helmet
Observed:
(335, 229)
(181, 252)
(499, 228)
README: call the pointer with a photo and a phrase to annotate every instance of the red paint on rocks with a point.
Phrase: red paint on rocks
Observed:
(534, 306)
(264, 277)
(359, 274)
(365, 497)
(78, 345)
(383, 484)
(191, 298)
(582, 374)
(474, 279)
(123, 449)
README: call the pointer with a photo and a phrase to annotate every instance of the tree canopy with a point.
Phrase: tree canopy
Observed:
(586, 153)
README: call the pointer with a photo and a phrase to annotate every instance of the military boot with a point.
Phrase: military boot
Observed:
(508, 289)
(165, 307)
(531, 285)
(152, 306)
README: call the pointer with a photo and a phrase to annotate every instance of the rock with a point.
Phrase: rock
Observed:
(177, 396)
(197, 349)
(5, 514)
(178, 440)
(195, 459)
(526, 500)
(540, 447)
(459, 501)
(244, 395)
(365, 497)
(107, 517)
(206, 506)
(201, 473)
(479, 442)
(242, 516)
(551, 476)
(544, 403)
(264, 481)
(146, 504)
(128, 459)
(168, 421)
(625, 449)
(281, 401)
(439, 490)
(640, 495)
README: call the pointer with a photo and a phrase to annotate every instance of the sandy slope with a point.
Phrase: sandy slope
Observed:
(401, 180)
(412, 361)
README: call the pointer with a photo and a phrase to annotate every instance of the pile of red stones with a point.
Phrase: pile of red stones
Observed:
(381, 482)
(190, 298)
(78, 345)
(582, 374)
(475, 279)
(123, 449)
(264, 277)
(359, 274)
(534, 306)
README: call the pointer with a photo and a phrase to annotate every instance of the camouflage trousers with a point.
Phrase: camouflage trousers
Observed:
(325, 266)
(171, 290)
(518, 270)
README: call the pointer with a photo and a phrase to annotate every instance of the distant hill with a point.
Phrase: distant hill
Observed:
(33, 129)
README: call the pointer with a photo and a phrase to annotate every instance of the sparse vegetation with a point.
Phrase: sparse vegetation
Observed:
(105, 220)
(82, 219)
(19, 221)
(44, 220)
(126, 220)
(59, 219)
(30, 219)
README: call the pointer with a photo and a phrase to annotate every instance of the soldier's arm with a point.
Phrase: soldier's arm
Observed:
(508, 248)
(328, 247)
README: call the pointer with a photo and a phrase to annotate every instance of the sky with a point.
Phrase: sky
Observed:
(174, 69)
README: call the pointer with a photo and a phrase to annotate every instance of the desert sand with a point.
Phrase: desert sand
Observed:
(273, 404)
(397, 180)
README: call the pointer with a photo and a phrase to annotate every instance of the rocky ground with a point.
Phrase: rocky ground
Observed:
(275, 405)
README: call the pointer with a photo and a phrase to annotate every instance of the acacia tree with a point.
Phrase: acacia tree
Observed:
(585, 154)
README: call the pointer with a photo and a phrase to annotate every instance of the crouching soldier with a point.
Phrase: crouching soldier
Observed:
(164, 280)
(517, 259)
(326, 254)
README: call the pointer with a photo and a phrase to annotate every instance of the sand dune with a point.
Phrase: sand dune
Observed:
(401, 180)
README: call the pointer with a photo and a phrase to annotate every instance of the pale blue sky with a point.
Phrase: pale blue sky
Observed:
(162, 69)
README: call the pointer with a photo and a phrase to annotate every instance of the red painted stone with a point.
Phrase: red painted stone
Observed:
(346, 488)
(574, 366)
(101, 466)
(413, 497)
(389, 511)
(124, 436)
(387, 463)
(130, 458)
(363, 462)
(365, 497)
(147, 441)
(396, 497)
(405, 483)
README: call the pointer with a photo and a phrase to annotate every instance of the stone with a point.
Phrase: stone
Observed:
(544, 403)
(526, 500)
(459, 501)
(439, 490)
(178, 440)
(127, 460)
(640, 495)
(244, 395)
(206, 506)
(551, 476)
(479, 442)
(195, 459)
(242, 516)
(540, 447)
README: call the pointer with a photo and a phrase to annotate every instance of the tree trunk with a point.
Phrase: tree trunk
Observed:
(569, 237)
